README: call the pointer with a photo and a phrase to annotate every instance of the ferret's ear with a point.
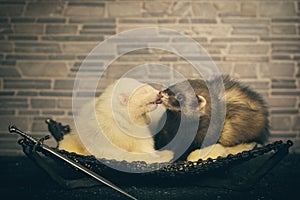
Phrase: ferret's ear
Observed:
(201, 102)
(123, 98)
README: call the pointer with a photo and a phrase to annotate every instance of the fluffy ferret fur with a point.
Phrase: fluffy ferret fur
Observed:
(116, 125)
(245, 124)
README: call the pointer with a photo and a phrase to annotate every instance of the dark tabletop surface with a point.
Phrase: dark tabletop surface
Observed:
(21, 178)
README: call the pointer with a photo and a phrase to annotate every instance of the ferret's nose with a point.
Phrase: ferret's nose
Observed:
(159, 96)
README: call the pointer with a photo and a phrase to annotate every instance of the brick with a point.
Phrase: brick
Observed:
(138, 21)
(43, 103)
(29, 112)
(6, 28)
(43, 69)
(26, 84)
(98, 32)
(280, 39)
(51, 20)
(286, 93)
(124, 9)
(232, 39)
(124, 48)
(44, 9)
(7, 112)
(62, 57)
(184, 21)
(281, 57)
(285, 48)
(22, 37)
(296, 123)
(180, 8)
(280, 123)
(203, 21)
(52, 112)
(22, 123)
(56, 94)
(166, 21)
(37, 47)
(155, 9)
(284, 112)
(226, 7)
(204, 9)
(224, 67)
(98, 29)
(7, 62)
(61, 29)
(70, 48)
(7, 93)
(247, 21)
(284, 30)
(283, 84)
(87, 94)
(28, 29)
(26, 57)
(96, 57)
(22, 20)
(27, 93)
(212, 30)
(276, 9)
(279, 102)
(3, 20)
(245, 70)
(13, 2)
(257, 85)
(213, 49)
(9, 72)
(6, 47)
(11, 10)
(200, 40)
(39, 127)
(277, 70)
(186, 70)
(73, 38)
(286, 20)
(14, 103)
(244, 58)
(84, 10)
(249, 9)
(102, 26)
(64, 103)
(92, 20)
(253, 30)
(249, 49)
(90, 65)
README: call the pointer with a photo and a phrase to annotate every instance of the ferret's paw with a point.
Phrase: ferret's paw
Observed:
(212, 151)
(242, 147)
(194, 156)
(165, 156)
(155, 154)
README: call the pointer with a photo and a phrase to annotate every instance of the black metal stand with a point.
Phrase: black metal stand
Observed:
(235, 172)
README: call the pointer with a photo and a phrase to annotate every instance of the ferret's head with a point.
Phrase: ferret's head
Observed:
(141, 100)
(187, 96)
(136, 100)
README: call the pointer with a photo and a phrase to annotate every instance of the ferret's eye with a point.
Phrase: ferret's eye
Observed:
(179, 97)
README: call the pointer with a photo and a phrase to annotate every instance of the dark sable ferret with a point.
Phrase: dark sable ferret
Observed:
(246, 117)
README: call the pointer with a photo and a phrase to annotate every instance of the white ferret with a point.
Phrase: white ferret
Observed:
(117, 124)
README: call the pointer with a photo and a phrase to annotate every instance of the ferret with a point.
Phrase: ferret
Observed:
(116, 125)
(245, 125)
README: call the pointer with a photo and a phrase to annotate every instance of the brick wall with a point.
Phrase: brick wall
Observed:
(43, 43)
